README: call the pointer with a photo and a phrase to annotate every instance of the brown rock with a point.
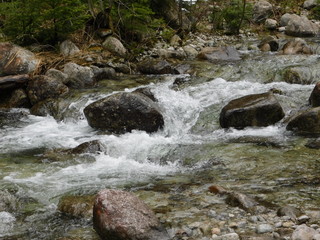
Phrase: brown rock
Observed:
(77, 206)
(120, 215)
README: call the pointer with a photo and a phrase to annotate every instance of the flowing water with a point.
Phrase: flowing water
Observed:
(192, 148)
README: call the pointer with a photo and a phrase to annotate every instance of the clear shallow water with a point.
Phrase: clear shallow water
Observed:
(268, 162)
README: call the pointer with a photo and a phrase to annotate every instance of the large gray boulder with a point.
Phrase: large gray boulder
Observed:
(214, 54)
(78, 76)
(261, 11)
(114, 46)
(301, 26)
(16, 60)
(120, 215)
(124, 112)
(306, 123)
(43, 87)
(258, 110)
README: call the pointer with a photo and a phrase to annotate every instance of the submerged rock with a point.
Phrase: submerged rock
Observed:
(306, 123)
(122, 215)
(302, 74)
(77, 206)
(124, 112)
(94, 146)
(258, 110)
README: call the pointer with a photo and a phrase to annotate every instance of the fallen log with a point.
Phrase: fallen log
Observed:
(13, 81)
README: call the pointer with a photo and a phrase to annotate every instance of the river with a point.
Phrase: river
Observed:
(268, 162)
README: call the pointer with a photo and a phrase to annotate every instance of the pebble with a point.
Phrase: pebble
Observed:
(278, 225)
(215, 231)
(264, 228)
(229, 236)
(303, 219)
(288, 224)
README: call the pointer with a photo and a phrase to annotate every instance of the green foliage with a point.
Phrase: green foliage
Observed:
(135, 19)
(46, 21)
(232, 14)
(315, 12)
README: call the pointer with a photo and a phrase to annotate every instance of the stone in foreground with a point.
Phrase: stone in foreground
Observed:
(124, 112)
(120, 215)
(257, 110)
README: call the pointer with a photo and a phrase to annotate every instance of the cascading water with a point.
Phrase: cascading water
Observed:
(190, 142)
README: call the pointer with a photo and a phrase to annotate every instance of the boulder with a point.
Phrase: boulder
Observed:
(301, 26)
(124, 112)
(114, 46)
(18, 99)
(77, 206)
(78, 76)
(121, 215)
(103, 73)
(285, 18)
(15, 60)
(68, 48)
(156, 67)
(191, 52)
(54, 107)
(172, 53)
(306, 123)
(253, 110)
(215, 54)
(296, 46)
(261, 11)
(314, 99)
(303, 232)
(309, 4)
(57, 75)
(43, 87)
(271, 24)
(289, 211)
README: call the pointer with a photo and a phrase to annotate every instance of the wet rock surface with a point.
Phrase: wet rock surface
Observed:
(124, 112)
(253, 110)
